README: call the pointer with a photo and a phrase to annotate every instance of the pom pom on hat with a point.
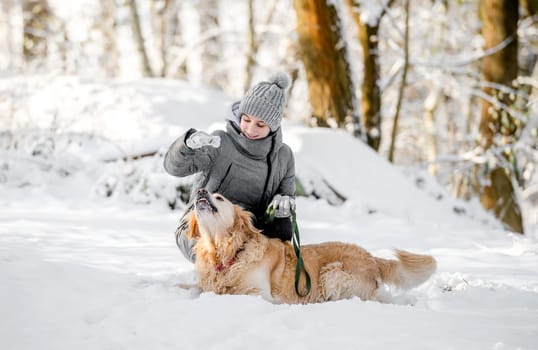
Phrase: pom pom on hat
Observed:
(281, 79)
(266, 100)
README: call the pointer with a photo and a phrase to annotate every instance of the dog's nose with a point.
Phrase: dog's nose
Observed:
(202, 191)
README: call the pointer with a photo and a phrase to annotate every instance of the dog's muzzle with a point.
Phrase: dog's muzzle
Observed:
(204, 201)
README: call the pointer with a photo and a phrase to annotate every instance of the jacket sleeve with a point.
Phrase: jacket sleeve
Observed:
(181, 161)
(281, 227)
(287, 185)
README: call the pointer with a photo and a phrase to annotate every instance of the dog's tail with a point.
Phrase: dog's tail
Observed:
(408, 271)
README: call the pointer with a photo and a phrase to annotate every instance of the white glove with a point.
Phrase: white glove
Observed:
(283, 205)
(200, 139)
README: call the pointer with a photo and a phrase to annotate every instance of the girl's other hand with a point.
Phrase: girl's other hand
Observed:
(201, 139)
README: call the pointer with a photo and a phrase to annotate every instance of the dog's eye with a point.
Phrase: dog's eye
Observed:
(219, 198)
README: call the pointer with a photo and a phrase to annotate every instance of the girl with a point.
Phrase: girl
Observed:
(248, 163)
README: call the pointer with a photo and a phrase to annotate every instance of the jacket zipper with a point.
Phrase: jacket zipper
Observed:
(261, 205)
(224, 177)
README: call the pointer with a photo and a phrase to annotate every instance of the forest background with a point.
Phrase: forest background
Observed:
(448, 87)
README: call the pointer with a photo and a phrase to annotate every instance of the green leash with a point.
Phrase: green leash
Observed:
(296, 248)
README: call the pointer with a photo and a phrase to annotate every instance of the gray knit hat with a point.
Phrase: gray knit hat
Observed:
(266, 100)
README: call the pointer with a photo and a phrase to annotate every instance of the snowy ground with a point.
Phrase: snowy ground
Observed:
(82, 271)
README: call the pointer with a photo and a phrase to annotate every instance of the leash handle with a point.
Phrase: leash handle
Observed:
(296, 248)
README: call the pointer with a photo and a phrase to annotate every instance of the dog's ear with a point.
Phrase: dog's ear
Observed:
(193, 231)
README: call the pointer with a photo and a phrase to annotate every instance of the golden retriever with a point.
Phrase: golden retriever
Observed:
(233, 257)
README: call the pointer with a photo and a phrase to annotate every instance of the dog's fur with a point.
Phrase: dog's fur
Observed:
(233, 257)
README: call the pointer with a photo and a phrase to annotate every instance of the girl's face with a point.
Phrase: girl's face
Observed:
(254, 128)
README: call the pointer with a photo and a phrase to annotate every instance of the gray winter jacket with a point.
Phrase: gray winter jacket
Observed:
(247, 172)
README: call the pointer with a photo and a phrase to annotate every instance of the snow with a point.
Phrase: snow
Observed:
(80, 270)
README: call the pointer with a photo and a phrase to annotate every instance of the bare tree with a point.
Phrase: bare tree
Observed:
(171, 41)
(430, 106)
(252, 46)
(211, 54)
(159, 27)
(527, 54)
(323, 51)
(139, 38)
(370, 90)
(254, 40)
(432, 103)
(403, 83)
(498, 126)
(167, 35)
(106, 23)
(8, 7)
(37, 15)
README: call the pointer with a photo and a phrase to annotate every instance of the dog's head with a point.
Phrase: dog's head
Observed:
(217, 217)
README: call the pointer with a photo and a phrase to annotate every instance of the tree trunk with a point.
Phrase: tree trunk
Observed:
(251, 46)
(36, 17)
(371, 93)
(254, 40)
(530, 6)
(212, 74)
(430, 106)
(497, 126)
(158, 29)
(165, 28)
(175, 39)
(403, 83)
(10, 38)
(139, 38)
(324, 54)
(107, 24)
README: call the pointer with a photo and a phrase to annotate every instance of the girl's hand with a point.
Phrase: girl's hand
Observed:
(283, 205)
(201, 139)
